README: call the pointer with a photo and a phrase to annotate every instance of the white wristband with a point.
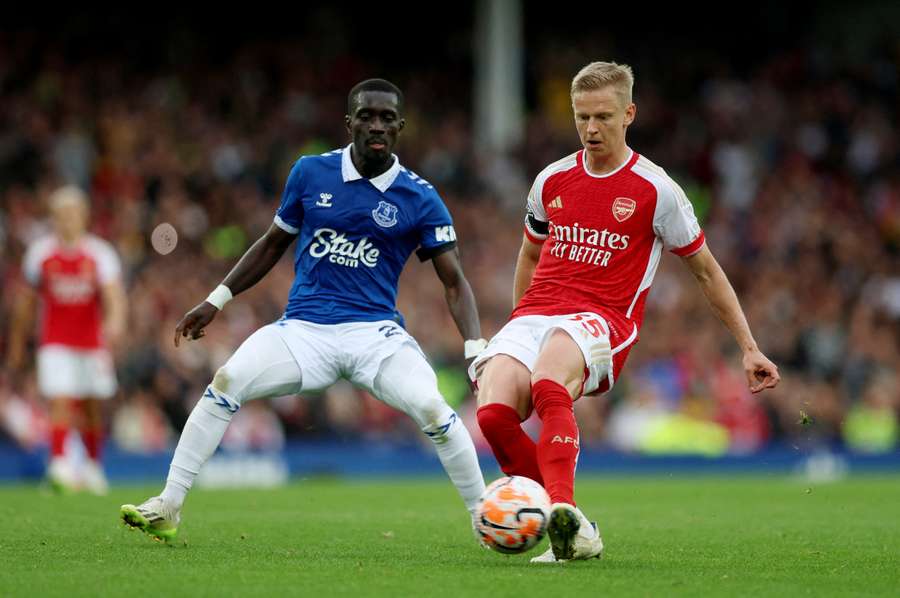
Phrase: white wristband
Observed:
(220, 297)
(472, 348)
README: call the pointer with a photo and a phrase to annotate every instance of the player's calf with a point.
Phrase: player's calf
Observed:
(515, 451)
(558, 445)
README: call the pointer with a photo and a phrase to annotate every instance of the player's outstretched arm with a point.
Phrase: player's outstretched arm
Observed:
(761, 373)
(529, 254)
(253, 265)
(459, 295)
(114, 311)
(20, 327)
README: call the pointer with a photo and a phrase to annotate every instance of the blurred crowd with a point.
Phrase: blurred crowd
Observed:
(793, 165)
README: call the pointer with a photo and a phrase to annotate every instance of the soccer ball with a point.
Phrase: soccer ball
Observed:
(512, 514)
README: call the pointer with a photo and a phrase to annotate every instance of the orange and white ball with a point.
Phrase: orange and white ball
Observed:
(513, 514)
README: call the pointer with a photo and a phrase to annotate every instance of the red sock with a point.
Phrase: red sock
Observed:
(514, 449)
(93, 442)
(557, 448)
(58, 435)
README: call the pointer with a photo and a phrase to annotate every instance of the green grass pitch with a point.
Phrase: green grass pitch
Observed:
(665, 536)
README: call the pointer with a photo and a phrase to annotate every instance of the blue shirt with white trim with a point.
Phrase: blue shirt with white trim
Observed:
(355, 235)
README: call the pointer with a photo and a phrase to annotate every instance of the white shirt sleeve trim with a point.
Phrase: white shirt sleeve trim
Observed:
(285, 226)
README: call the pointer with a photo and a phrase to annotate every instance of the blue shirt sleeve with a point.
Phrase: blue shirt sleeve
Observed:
(289, 216)
(436, 233)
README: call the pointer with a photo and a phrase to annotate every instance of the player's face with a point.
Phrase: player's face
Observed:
(69, 219)
(375, 125)
(601, 117)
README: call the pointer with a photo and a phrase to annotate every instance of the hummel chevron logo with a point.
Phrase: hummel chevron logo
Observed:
(220, 400)
(556, 203)
(324, 200)
(439, 435)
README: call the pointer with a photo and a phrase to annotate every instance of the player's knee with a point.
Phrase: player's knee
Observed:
(492, 382)
(548, 373)
(223, 379)
(435, 417)
(505, 381)
(439, 430)
(570, 382)
(432, 411)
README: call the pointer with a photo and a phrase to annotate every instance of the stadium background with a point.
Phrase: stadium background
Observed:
(780, 125)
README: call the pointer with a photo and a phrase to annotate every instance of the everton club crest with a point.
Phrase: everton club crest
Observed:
(385, 214)
(623, 208)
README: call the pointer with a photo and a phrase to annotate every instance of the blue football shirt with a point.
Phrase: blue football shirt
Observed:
(355, 235)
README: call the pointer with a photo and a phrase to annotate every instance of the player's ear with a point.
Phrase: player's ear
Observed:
(401, 124)
(347, 121)
(630, 113)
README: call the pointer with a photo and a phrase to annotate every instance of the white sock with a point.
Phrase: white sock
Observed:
(456, 451)
(201, 436)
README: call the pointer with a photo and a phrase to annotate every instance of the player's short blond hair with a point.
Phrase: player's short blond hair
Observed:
(597, 75)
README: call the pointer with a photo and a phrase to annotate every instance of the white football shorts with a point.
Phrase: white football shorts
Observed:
(522, 338)
(295, 356)
(67, 372)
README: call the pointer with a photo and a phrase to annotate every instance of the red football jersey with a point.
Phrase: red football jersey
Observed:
(69, 281)
(602, 239)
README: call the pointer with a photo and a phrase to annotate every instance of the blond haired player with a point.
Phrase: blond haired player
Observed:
(77, 277)
(596, 225)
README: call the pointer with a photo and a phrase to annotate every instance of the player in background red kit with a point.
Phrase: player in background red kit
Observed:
(77, 277)
(596, 225)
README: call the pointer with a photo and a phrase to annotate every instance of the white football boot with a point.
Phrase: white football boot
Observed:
(62, 476)
(572, 536)
(153, 517)
(94, 479)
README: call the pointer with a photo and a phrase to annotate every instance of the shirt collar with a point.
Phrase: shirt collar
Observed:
(610, 173)
(382, 182)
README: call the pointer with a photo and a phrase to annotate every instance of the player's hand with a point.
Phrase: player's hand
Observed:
(761, 373)
(192, 324)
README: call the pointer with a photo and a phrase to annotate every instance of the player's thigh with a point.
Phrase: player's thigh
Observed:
(562, 361)
(263, 366)
(506, 380)
(406, 382)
